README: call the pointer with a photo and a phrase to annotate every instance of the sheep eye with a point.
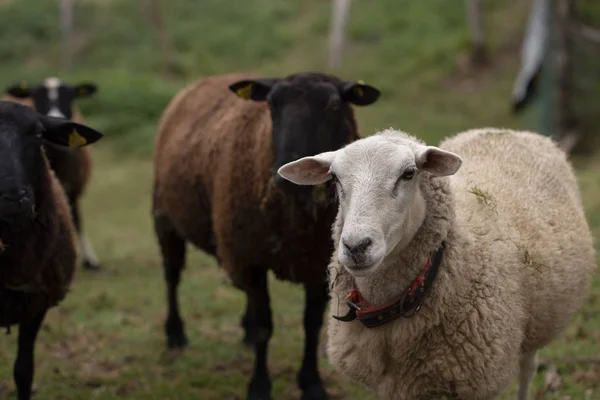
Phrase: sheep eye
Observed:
(408, 174)
(335, 104)
(335, 180)
(39, 129)
(337, 184)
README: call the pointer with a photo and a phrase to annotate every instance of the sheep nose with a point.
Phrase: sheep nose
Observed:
(17, 196)
(357, 247)
(15, 206)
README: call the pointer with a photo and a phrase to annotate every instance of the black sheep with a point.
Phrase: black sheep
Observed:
(38, 253)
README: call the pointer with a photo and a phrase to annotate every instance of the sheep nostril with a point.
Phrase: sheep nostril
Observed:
(358, 248)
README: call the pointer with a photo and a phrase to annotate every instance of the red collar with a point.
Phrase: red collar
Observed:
(406, 305)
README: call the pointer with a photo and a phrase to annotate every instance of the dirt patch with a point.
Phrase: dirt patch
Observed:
(588, 378)
(99, 373)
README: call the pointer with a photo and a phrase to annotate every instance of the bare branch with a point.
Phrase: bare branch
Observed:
(154, 9)
(587, 32)
(568, 360)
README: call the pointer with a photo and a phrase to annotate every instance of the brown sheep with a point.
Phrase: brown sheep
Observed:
(215, 185)
(38, 253)
(72, 166)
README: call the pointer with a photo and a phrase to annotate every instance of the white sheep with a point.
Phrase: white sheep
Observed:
(516, 258)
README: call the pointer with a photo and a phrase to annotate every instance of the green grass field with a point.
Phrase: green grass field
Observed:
(106, 340)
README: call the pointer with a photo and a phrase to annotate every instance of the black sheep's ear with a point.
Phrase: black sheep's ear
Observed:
(256, 90)
(67, 133)
(19, 90)
(85, 89)
(359, 93)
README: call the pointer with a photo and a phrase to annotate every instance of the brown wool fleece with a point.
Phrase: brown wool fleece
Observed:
(213, 171)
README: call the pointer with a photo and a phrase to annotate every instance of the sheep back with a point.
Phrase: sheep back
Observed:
(213, 160)
(534, 193)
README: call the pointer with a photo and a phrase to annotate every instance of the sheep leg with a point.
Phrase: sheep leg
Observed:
(246, 323)
(262, 322)
(527, 369)
(172, 248)
(90, 260)
(24, 365)
(308, 378)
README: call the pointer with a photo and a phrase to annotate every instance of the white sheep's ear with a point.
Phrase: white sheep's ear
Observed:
(309, 170)
(438, 162)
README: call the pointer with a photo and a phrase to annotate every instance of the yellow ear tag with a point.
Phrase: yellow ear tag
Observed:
(76, 140)
(23, 85)
(245, 92)
(361, 82)
(359, 91)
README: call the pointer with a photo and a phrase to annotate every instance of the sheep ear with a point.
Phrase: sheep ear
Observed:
(67, 133)
(359, 93)
(20, 90)
(256, 90)
(309, 170)
(85, 89)
(438, 162)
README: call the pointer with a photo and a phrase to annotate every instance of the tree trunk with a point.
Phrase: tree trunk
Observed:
(155, 16)
(561, 58)
(67, 16)
(479, 54)
(337, 33)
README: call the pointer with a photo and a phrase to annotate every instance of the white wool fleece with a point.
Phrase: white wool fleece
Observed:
(517, 266)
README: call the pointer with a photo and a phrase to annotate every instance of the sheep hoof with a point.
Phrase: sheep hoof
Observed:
(91, 266)
(177, 341)
(315, 392)
(258, 396)
(259, 389)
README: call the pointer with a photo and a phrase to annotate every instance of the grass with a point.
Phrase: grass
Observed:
(483, 196)
(106, 339)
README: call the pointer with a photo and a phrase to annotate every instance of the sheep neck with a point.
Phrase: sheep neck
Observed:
(18, 245)
(402, 266)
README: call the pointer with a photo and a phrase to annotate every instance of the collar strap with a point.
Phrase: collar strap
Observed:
(406, 305)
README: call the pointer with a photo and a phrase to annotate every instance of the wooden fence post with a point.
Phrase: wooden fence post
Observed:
(337, 32)
(67, 17)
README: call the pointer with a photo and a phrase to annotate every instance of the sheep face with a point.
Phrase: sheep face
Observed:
(53, 97)
(311, 113)
(381, 205)
(22, 163)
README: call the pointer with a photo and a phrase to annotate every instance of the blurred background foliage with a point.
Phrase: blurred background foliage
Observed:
(415, 52)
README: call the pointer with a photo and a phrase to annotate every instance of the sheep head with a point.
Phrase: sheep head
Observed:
(381, 205)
